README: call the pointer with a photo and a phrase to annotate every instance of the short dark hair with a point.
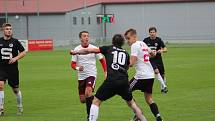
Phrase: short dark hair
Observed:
(118, 40)
(131, 31)
(82, 33)
(152, 28)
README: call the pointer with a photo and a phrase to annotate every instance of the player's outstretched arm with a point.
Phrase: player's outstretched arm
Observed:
(21, 55)
(163, 50)
(85, 51)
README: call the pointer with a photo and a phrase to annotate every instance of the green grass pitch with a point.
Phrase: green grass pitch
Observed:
(49, 88)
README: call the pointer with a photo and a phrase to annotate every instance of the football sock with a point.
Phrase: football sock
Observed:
(160, 79)
(138, 112)
(89, 103)
(19, 99)
(154, 109)
(1, 99)
(94, 112)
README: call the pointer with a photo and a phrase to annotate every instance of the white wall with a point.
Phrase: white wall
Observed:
(175, 21)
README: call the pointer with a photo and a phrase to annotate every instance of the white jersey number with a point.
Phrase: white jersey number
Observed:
(6, 53)
(118, 58)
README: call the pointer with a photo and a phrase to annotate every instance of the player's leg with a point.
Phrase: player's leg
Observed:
(2, 97)
(136, 110)
(162, 73)
(18, 95)
(158, 75)
(3, 77)
(13, 81)
(94, 110)
(81, 90)
(153, 106)
(104, 92)
(148, 85)
(134, 85)
(90, 83)
(125, 93)
(160, 79)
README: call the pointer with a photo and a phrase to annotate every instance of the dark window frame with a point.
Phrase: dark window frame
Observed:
(74, 20)
(82, 20)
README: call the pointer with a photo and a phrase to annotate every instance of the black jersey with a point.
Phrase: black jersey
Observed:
(117, 60)
(156, 44)
(9, 49)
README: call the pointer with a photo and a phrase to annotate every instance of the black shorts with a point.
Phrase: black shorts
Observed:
(159, 66)
(110, 89)
(145, 85)
(11, 74)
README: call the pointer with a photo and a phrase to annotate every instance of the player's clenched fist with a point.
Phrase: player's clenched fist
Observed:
(72, 52)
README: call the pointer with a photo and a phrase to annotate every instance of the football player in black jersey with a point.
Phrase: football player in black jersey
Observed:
(116, 83)
(155, 43)
(11, 51)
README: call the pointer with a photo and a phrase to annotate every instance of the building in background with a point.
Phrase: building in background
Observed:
(62, 20)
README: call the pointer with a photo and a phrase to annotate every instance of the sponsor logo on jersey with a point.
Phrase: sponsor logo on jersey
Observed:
(156, 44)
(10, 45)
(1, 45)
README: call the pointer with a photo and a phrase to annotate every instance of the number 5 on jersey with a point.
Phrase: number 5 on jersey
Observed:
(6, 53)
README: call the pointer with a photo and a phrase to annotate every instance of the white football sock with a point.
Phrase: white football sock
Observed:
(94, 112)
(138, 112)
(19, 99)
(160, 79)
(1, 99)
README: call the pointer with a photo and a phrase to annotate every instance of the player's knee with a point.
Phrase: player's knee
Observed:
(88, 92)
(157, 71)
(129, 103)
(1, 85)
(15, 90)
(149, 101)
(148, 98)
(96, 101)
(82, 99)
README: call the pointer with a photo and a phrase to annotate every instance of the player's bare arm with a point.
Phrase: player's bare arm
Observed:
(21, 55)
(162, 50)
(85, 51)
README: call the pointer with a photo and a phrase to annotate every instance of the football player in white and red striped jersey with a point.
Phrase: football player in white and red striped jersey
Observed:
(87, 71)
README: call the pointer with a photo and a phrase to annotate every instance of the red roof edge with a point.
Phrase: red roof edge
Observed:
(157, 1)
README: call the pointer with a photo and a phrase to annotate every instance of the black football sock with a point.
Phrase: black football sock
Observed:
(89, 103)
(154, 109)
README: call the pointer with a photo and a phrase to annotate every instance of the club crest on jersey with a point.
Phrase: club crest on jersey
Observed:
(1, 45)
(156, 44)
(115, 66)
(10, 45)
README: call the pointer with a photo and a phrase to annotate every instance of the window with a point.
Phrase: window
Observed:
(89, 21)
(74, 21)
(82, 20)
(99, 20)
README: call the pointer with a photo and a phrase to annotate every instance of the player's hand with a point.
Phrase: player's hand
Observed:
(81, 68)
(12, 60)
(153, 53)
(72, 52)
(159, 51)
